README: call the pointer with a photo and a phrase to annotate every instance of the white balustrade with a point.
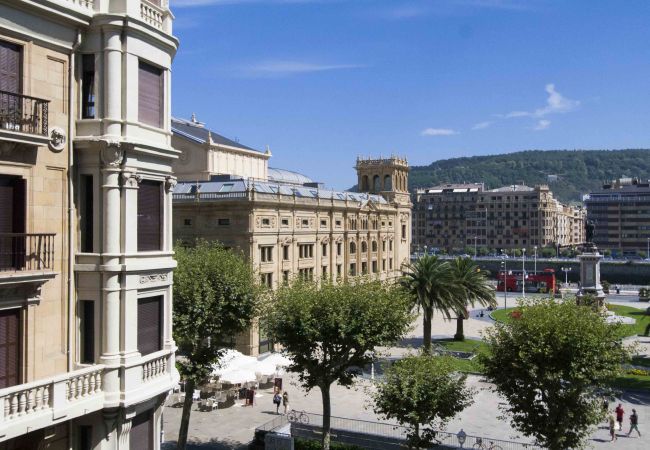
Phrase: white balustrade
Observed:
(154, 368)
(83, 3)
(84, 385)
(152, 14)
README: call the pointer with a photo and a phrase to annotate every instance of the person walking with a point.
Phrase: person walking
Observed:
(634, 423)
(620, 412)
(285, 401)
(612, 427)
(277, 399)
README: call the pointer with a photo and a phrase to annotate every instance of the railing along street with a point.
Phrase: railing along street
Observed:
(23, 113)
(26, 251)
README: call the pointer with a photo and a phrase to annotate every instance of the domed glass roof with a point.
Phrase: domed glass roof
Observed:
(287, 176)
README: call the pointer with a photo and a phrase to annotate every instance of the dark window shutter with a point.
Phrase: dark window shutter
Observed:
(149, 324)
(19, 205)
(149, 212)
(141, 436)
(87, 331)
(10, 73)
(150, 95)
(9, 347)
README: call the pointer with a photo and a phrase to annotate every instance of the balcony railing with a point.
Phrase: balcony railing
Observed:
(23, 113)
(26, 251)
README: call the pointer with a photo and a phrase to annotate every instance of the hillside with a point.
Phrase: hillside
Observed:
(578, 171)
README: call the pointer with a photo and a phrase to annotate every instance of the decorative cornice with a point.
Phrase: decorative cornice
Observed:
(170, 183)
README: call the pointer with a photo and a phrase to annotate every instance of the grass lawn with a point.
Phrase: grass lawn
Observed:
(641, 360)
(642, 325)
(502, 315)
(637, 382)
(468, 345)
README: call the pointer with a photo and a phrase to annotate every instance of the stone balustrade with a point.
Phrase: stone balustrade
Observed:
(152, 14)
(154, 368)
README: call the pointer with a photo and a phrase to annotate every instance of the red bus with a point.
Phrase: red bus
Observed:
(541, 282)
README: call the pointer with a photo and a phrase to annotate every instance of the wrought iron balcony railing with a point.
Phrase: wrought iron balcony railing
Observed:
(23, 113)
(26, 251)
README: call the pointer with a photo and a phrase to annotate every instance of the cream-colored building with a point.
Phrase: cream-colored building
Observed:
(286, 224)
(86, 351)
(455, 217)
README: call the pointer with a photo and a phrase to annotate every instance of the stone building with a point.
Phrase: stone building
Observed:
(86, 351)
(286, 224)
(621, 213)
(453, 217)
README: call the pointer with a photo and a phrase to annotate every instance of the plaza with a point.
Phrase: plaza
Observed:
(233, 427)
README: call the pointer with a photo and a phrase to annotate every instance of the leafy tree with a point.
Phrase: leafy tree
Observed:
(473, 287)
(215, 297)
(548, 252)
(429, 280)
(329, 330)
(422, 390)
(549, 363)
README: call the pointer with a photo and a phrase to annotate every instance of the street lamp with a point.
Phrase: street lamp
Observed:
(504, 265)
(566, 271)
(476, 237)
(425, 250)
(461, 436)
(523, 273)
(535, 248)
(647, 253)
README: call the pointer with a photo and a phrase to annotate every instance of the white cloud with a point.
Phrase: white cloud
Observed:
(283, 68)
(438, 132)
(482, 125)
(542, 125)
(556, 103)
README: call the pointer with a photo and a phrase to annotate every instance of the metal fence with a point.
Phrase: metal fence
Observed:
(23, 113)
(26, 251)
(379, 435)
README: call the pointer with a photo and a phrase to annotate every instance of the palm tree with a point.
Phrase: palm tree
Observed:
(472, 287)
(431, 284)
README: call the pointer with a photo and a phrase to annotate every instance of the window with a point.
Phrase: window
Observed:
(267, 280)
(403, 231)
(353, 269)
(324, 271)
(10, 71)
(353, 248)
(339, 249)
(374, 246)
(323, 223)
(86, 203)
(305, 251)
(87, 331)
(374, 267)
(390, 246)
(141, 435)
(306, 274)
(364, 247)
(338, 270)
(390, 264)
(88, 86)
(285, 276)
(150, 95)
(285, 222)
(10, 360)
(149, 216)
(324, 248)
(305, 222)
(223, 222)
(149, 325)
(266, 222)
(266, 253)
(285, 252)
(383, 264)
(383, 246)
(364, 268)
(338, 223)
(187, 222)
(85, 437)
(227, 187)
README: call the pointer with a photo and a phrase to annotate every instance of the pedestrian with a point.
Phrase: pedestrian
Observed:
(612, 427)
(277, 399)
(605, 407)
(285, 401)
(620, 412)
(634, 423)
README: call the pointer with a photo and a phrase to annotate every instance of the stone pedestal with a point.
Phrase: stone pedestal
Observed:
(590, 277)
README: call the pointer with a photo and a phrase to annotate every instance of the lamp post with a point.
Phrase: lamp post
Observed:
(462, 437)
(504, 265)
(523, 273)
(647, 253)
(425, 250)
(566, 271)
(535, 248)
(476, 237)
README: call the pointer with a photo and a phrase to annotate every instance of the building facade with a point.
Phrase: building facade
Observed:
(454, 217)
(286, 224)
(86, 351)
(621, 214)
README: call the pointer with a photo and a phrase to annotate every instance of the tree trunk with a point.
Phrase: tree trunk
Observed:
(185, 418)
(327, 412)
(460, 332)
(426, 333)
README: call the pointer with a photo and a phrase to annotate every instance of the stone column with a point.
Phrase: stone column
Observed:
(168, 238)
(113, 82)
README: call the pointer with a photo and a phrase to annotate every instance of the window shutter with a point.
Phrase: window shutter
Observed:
(9, 347)
(141, 436)
(9, 67)
(149, 212)
(19, 205)
(150, 95)
(149, 324)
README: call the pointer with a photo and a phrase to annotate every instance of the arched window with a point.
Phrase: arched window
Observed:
(376, 183)
(388, 185)
(364, 183)
(364, 247)
(374, 246)
(353, 248)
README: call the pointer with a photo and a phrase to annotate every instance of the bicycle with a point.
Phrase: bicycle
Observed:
(480, 445)
(298, 417)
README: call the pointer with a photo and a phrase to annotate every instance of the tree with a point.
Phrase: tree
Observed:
(549, 363)
(473, 287)
(422, 390)
(215, 297)
(329, 330)
(429, 280)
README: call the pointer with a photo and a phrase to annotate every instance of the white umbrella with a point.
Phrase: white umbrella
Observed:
(232, 359)
(277, 359)
(237, 376)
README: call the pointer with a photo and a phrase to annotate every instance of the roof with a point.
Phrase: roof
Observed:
(513, 188)
(195, 131)
(241, 185)
(287, 176)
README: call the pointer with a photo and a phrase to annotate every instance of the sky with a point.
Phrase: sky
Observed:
(321, 82)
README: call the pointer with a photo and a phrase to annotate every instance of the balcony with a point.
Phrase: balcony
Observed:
(23, 119)
(26, 257)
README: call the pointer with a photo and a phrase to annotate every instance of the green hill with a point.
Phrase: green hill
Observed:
(578, 171)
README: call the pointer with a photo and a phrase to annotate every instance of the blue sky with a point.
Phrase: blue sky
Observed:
(322, 81)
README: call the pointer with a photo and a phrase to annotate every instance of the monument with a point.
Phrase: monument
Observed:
(590, 287)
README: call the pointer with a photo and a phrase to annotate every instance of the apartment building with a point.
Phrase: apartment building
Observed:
(621, 214)
(285, 223)
(86, 352)
(452, 217)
